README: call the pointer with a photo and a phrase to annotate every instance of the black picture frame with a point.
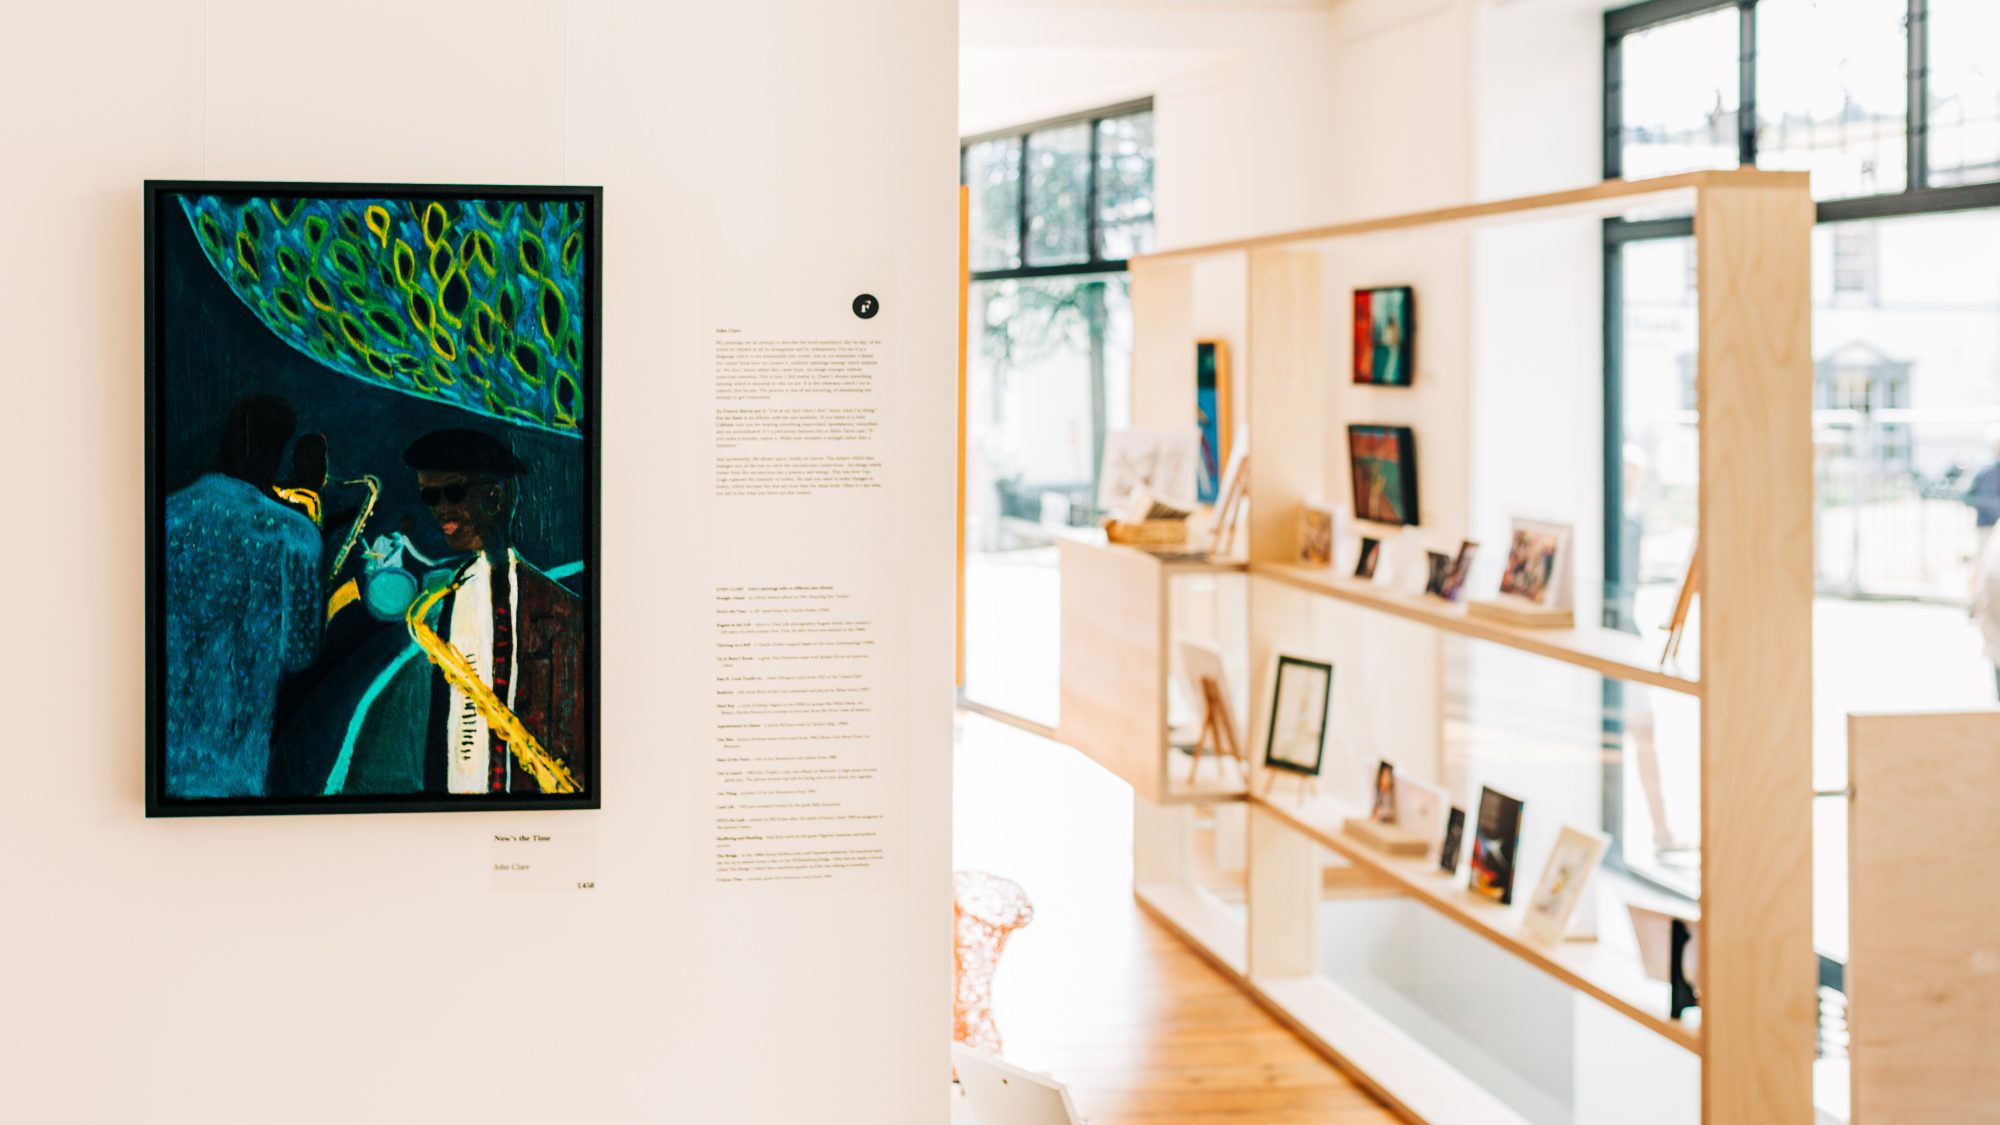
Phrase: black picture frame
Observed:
(158, 197)
(1405, 350)
(1271, 761)
(1400, 508)
(1454, 838)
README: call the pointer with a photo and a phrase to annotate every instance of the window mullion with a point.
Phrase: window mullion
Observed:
(1746, 83)
(1614, 110)
(1916, 124)
(1092, 251)
(1021, 204)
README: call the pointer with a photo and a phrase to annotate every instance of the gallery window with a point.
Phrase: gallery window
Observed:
(1893, 107)
(1056, 209)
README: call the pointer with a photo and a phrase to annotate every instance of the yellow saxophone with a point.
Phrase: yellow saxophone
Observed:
(550, 774)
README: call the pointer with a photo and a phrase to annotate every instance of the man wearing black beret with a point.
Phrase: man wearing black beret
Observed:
(505, 640)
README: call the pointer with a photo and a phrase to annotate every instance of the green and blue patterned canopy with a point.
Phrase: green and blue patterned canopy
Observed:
(474, 303)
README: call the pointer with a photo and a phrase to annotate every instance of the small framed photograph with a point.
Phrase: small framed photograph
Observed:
(1576, 855)
(1537, 569)
(1454, 839)
(1496, 837)
(1385, 336)
(1382, 806)
(1382, 462)
(1438, 574)
(1461, 568)
(1365, 562)
(1320, 529)
(1302, 691)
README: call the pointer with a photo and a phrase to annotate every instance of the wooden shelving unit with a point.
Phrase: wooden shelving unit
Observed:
(1594, 969)
(1620, 656)
(1754, 1038)
(1117, 636)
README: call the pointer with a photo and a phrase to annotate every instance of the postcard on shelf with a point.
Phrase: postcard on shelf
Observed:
(1321, 529)
(1577, 854)
(1496, 837)
(1461, 567)
(1538, 564)
(1385, 336)
(1302, 691)
(1536, 587)
(1454, 839)
(1365, 562)
(1653, 928)
(1164, 462)
(1382, 466)
(1437, 573)
(1421, 809)
(1382, 807)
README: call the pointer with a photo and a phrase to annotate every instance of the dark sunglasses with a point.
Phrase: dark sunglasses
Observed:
(452, 493)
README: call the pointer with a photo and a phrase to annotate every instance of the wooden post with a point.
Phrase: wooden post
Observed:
(1284, 899)
(1163, 347)
(1923, 996)
(1754, 389)
(1288, 422)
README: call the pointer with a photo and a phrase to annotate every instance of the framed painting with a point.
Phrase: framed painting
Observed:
(1385, 336)
(1211, 411)
(371, 497)
(1382, 463)
(1301, 695)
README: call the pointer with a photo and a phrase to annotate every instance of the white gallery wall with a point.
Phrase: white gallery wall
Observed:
(364, 968)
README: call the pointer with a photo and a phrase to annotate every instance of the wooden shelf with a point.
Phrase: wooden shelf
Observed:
(1396, 1068)
(1610, 197)
(1618, 982)
(1608, 653)
(1201, 920)
(1215, 780)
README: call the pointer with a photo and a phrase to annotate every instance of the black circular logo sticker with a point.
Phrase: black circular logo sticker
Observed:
(866, 306)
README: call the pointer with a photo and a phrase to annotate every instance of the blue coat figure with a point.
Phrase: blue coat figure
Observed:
(244, 602)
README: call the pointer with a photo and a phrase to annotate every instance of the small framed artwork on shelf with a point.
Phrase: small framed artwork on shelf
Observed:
(1577, 854)
(1320, 531)
(1448, 573)
(1382, 461)
(1301, 693)
(1438, 574)
(1211, 411)
(1535, 583)
(1670, 951)
(1385, 336)
(1208, 683)
(1454, 840)
(1163, 462)
(1404, 815)
(1382, 807)
(1496, 837)
(1366, 561)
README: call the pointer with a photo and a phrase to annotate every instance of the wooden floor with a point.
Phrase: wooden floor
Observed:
(1141, 1029)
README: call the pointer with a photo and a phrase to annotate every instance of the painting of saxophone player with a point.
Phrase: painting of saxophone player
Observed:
(372, 485)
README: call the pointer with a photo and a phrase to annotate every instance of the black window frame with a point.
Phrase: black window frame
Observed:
(1917, 197)
(1096, 262)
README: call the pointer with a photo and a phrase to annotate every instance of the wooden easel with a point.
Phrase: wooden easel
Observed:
(1677, 625)
(1308, 784)
(1218, 731)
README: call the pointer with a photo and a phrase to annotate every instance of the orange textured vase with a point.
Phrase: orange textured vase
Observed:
(985, 910)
